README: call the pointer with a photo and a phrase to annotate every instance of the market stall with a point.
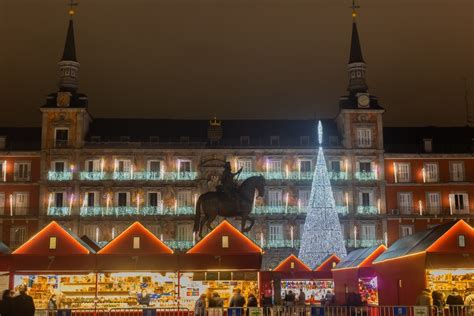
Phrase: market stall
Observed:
(55, 262)
(354, 276)
(4, 266)
(224, 260)
(136, 269)
(293, 275)
(441, 259)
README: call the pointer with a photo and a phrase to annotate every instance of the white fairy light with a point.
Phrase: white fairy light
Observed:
(320, 133)
(322, 234)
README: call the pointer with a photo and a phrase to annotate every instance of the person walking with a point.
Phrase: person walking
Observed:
(251, 302)
(455, 303)
(438, 301)
(200, 306)
(237, 299)
(424, 299)
(6, 305)
(23, 304)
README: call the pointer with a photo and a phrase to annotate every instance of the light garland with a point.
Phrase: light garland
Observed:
(322, 234)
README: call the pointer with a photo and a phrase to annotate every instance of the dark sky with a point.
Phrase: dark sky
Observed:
(239, 58)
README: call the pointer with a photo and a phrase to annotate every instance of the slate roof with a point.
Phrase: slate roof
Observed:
(70, 46)
(446, 140)
(356, 257)
(4, 249)
(171, 130)
(21, 138)
(356, 52)
(415, 243)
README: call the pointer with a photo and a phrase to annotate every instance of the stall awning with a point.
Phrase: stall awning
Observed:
(440, 239)
(292, 264)
(225, 239)
(134, 241)
(54, 240)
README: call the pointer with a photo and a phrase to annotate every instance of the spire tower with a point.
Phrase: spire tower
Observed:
(68, 65)
(356, 67)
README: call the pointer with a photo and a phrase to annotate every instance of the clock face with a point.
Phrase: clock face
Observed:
(63, 99)
(363, 101)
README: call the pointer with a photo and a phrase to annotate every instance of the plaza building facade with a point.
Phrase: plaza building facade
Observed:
(97, 175)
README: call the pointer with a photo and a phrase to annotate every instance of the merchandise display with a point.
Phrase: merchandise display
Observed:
(194, 284)
(446, 280)
(72, 291)
(317, 288)
(368, 291)
(137, 288)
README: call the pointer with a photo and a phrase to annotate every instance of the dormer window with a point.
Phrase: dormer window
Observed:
(462, 241)
(304, 140)
(225, 241)
(136, 242)
(274, 140)
(244, 140)
(124, 139)
(428, 145)
(52, 243)
(95, 139)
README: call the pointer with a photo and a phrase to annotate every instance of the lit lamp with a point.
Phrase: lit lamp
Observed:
(395, 171)
(420, 207)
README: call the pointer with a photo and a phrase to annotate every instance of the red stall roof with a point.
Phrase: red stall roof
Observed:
(225, 239)
(441, 239)
(292, 264)
(328, 263)
(54, 240)
(135, 240)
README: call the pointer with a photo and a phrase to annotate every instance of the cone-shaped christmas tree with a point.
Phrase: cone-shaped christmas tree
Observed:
(322, 235)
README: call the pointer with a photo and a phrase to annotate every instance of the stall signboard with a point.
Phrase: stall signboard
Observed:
(149, 312)
(420, 310)
(317, 311)
(400, 311)
(255, 311)
(234, 311)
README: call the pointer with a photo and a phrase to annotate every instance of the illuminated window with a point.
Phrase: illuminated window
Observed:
(433, 202)
(274, 140)
(461, 241)
(304, 140)
(428, 145)
(225, 241)
(364, 137)
(136, 242)
(52, 242)
(456, 170)
(431, 172)
(305, 165)
(403, 171)
(292, 265)
(93, 165)
(244, 140)
(245, 164)
(61, 137)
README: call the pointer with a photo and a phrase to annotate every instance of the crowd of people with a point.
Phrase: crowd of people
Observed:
(13, 304)
(437, 299)
(215, 301)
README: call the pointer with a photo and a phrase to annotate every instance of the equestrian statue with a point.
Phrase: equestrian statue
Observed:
(229, 200)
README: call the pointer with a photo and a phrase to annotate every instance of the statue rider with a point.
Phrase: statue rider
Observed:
(228, 185)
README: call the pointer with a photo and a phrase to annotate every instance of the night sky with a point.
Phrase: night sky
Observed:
(240, 58)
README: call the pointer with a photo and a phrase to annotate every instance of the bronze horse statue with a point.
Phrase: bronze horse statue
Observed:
(213, 204)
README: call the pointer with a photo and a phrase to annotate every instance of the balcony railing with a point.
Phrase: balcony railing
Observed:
(363, 243)
(337, 176)
(342, 210)
(90, 211)
(367, 210)
(92, 176)
(280, 243)
(366, 176)
(59, 211)
(293, 175)
(290, 209)
(179, 244)
(59, 175)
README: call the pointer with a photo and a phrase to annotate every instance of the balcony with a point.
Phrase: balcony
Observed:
(246, 175)
(342, 210)
(366, 176)
(337, 175)
(148, 176)
(88, 211)
(59, 211)
(179, 244)
(280, 209)
(59, 175)
(367, 210)
(92, 176)
(364, 243)
(278, 243)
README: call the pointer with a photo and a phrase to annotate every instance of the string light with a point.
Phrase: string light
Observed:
(322, 234)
